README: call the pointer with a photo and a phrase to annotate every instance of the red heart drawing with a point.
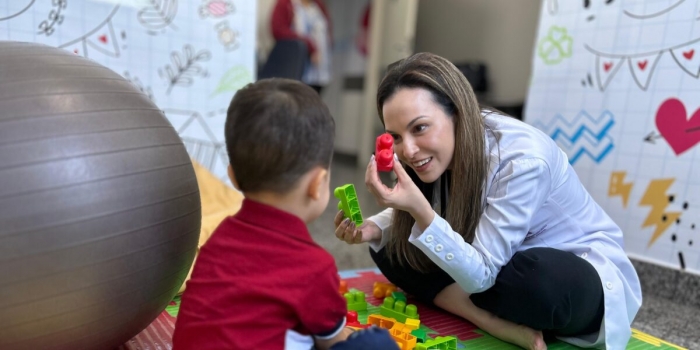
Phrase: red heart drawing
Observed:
(672, 121)
(103, 38)
(689, 54)
(642, 64)
(607, 66)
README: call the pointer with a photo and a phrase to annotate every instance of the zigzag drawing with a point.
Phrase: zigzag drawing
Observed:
(583, 135)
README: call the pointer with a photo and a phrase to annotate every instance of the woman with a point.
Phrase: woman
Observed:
(488, 220)
(306, 20)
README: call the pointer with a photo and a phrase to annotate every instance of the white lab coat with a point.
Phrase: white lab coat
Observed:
(533, 198)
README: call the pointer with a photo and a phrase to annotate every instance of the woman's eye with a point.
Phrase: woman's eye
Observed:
(396, 137)
(420, 127)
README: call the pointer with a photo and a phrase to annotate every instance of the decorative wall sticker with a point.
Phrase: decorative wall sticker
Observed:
(158, 15)
(48, 26)
(618, 186)
(656, 197)
(184, 67)
(681, 132)
(102, 38)
(584, 135)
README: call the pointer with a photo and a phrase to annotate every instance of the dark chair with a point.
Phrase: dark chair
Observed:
(477, 75)
(286, 60)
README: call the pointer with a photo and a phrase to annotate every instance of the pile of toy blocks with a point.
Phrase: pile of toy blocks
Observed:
(400, 319)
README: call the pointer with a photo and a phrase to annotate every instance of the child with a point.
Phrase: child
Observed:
(261, 282)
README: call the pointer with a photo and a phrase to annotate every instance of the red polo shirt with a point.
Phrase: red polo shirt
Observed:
(260, 282)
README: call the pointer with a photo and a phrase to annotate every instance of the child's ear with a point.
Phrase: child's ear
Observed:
(232, 178)
(318, 180)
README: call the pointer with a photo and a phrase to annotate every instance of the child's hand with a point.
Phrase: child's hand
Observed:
(346, 230)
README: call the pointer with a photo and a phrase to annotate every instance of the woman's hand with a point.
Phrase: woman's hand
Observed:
(404, 196)
(346, 230)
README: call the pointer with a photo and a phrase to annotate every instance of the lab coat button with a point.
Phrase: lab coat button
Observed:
(449, 256)
(429, 238)
(438, 248)
(609, 285)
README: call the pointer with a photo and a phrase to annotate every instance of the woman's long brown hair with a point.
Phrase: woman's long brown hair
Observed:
(464, 182)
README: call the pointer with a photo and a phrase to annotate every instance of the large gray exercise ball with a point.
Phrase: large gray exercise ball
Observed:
(99, 204)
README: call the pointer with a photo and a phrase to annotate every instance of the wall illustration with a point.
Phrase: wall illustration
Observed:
(615, 84)
(188, 56)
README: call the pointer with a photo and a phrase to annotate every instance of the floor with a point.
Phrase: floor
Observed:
(671, 307)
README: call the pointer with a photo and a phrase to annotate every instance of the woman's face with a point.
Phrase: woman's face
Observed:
(423, 134)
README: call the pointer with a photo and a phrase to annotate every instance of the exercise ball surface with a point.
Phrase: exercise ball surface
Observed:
(99, 204)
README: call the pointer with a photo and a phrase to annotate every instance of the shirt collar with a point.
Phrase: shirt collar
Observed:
(270, 218)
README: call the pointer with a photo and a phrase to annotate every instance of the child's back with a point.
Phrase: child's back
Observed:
(261, 282)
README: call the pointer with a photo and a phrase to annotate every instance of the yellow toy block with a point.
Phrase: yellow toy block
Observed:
(412, 323)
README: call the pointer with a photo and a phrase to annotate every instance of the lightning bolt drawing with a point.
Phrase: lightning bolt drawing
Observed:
(618, 187)
(656, 197)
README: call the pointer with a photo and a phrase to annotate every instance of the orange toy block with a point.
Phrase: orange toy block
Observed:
(382, 289)
(343, 287)
(406, 341)
(381, 321)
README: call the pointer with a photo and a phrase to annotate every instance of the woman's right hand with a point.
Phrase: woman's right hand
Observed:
(346, 230)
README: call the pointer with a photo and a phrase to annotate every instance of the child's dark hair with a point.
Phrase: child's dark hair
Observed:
(276, 131)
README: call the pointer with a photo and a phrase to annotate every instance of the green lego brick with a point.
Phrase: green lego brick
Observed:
(420, 334)
(355, 300)
(439, 343)
(398, 296)
(348, 203)
(398, 310)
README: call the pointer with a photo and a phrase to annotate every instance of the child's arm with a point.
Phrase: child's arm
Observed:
(324, 344)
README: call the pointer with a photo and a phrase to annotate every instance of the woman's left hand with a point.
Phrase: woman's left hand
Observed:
(404, 196)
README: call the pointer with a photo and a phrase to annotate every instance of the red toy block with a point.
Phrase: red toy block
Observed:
(384, 152)
(352, 321)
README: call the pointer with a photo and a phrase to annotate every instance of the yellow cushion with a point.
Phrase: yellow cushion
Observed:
(218, 202)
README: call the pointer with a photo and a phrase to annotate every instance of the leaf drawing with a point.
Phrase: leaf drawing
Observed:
(234, 79)
(185, 66)
(158, 14)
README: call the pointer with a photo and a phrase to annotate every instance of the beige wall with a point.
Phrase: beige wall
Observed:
(498, 32)
(264, 40)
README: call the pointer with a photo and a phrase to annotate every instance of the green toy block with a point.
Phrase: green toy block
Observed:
(356, 300)
(420, 334)
(398, 296)
(439, 343)
(348, 203)
(398, 310)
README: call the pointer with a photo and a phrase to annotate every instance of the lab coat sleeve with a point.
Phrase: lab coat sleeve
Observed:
(518, 190)
(383, 220)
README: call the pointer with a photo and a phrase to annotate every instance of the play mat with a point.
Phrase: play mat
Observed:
(435, 322)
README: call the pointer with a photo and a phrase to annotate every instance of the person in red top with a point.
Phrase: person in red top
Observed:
(306, 20)
(260, 281)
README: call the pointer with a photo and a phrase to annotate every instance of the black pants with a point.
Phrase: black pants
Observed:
(542, 288)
